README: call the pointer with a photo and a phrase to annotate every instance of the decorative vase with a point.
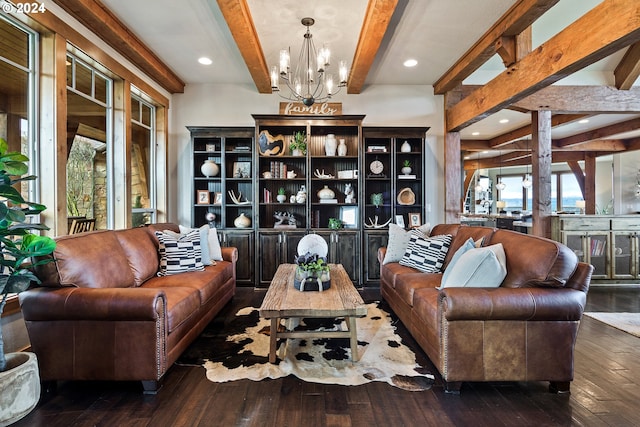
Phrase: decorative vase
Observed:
(312, 280)
(242, 221)
(342, 148)
(209, 168)
(406, 170)
(326, 193)
(330, 145)
(406, 147)
(20, 385)
(281, 198)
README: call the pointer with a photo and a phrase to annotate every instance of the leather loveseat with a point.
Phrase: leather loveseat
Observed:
(102, 313)
(523, 330)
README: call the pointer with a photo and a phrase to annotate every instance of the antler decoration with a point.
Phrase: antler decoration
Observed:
(237, 199)
(374, 223)
(322, 175)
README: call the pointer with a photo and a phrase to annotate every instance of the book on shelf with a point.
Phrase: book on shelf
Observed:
(407, 177)
(376, 149)
(266, 196)
(328, 201)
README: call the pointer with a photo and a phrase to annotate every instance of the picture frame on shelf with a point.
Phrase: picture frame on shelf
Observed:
(241, 170)
(217, 198)
(415, 220)
(349, 216)
(203, 197)
(400, 220)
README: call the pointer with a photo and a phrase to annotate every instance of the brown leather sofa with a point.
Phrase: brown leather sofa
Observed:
(114, 318)
(524, 330)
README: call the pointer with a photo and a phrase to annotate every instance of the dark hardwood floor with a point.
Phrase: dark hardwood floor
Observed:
(605, 392)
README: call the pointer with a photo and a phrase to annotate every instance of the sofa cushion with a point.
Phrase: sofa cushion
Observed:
(426, 254)
(182, 303)
(92, 260)
(179, 253)
(209, 243)
(478, 234)
(390, 272)
(477, 267)
(139, 247)
(554, 262)
(407, 284)
(398, 241)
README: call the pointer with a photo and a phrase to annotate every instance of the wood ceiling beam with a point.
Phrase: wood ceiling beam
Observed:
(238, 17)
(518, 18)
(376, 21)
(609, 145)
(603, 132)
(589, 39)
(583, 100)
(578, 173)
(95, 16)
(556, 120)
(628, 70)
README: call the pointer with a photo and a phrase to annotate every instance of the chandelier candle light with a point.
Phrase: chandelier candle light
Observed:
(310, 82)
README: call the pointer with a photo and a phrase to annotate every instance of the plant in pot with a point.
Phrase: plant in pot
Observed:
(298, 145)
(406, 167)
(19, 378)
(282, 195)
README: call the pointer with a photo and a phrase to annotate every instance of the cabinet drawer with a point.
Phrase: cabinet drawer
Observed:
(586, 224)
(625, 224)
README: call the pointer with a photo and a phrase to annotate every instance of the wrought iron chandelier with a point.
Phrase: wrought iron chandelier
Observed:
(310, 81)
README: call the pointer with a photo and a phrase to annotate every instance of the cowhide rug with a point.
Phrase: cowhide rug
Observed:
(240, 350)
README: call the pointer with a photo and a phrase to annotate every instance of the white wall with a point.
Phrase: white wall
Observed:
(233, 105)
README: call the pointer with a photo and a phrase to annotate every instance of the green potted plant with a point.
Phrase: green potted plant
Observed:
(406, 167)
(298, 145)
(312, 273)
(282, 195)
(335, 223)
(18, 246)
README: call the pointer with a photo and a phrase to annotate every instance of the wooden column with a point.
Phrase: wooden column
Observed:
(541, 166)
(590, 183)
(453, 178)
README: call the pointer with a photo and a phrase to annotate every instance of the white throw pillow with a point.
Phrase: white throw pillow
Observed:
(398, 241)
(478, 268)
(179, 253)
(466, 246)
(209, 242)
(426, 254)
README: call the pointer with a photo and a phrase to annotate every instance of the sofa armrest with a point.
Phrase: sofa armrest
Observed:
(381, 253)
(109, 304)
(229, 253)
(537, 304)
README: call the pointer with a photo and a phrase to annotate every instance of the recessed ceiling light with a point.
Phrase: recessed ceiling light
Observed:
(504, 121)
(205, 61)
(583, 121)
(410, 63)
(475, 133)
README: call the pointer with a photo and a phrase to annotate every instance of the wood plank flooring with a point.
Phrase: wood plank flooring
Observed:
(605, 392)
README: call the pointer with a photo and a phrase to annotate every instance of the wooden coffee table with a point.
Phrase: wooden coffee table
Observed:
(340, 300)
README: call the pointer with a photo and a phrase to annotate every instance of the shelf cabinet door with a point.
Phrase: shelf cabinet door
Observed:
(275, 248)
(245, 243)
(624, 259)
(591, 247)
(373, 240)
(344, 249)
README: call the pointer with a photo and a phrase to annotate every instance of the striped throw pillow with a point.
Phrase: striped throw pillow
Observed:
(426, 254)
(179, 253)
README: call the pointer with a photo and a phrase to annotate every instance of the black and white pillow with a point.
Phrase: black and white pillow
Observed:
(426, 254)
(179, 253)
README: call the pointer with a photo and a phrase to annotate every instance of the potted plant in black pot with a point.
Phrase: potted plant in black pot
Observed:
(19, 378)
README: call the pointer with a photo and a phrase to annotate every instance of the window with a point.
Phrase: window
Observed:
(143, 160)
(89, 130)
(513, 193)
(18, 71)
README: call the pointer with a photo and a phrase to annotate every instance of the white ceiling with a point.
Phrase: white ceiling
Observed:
(434, 32)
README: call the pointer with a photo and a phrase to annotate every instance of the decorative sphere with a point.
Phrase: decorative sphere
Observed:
(314, 244)
(210, 216)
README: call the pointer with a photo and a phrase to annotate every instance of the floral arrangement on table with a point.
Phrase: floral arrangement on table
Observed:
(312, 272)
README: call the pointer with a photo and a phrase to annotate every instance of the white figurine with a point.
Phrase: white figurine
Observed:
(349, 194)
